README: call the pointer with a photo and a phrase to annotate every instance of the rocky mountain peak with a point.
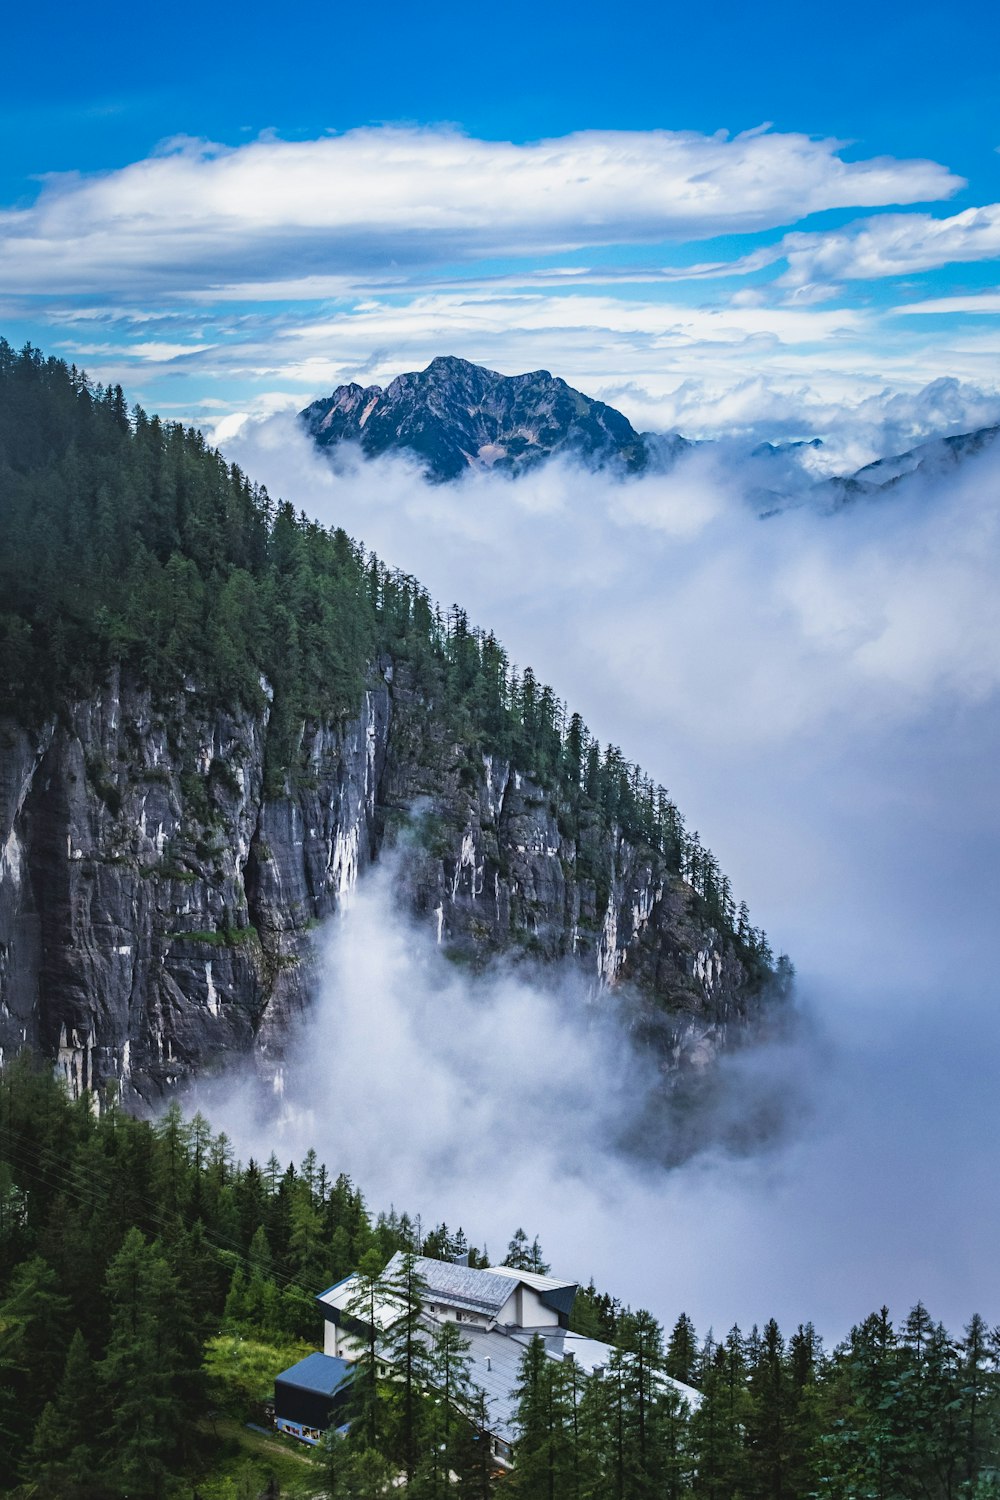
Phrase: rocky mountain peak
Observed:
(456, 416)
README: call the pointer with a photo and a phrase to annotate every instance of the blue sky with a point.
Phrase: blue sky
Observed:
(375, 192)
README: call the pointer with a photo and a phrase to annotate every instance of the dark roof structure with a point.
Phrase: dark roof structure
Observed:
(320, 1373)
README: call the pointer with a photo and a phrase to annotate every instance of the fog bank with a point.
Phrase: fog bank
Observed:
(820, 693)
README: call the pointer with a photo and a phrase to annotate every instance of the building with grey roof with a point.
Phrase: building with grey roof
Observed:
(500, 1310)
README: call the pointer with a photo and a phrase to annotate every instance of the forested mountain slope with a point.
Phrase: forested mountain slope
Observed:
(151, 1288)
(215, 713)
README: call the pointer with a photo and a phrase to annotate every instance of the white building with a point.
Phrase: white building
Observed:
(500, 1311)
(498, 1299)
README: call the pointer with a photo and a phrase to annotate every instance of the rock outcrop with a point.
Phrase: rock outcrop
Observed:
(456, 416)
(158, 904)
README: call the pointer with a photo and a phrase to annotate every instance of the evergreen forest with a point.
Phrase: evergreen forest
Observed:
(152, 1286)
(130, 542)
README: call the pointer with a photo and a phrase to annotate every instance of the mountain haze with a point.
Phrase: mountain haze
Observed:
(931, 460)
(458, 417)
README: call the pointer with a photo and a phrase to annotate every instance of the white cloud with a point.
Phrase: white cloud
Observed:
(891, 245)
(149, 351)
(365, 254)
(775, 371)
(854, 431)
(199, 215)
(494, 1102)
(884, 610)
(980, 303)
(822, 694)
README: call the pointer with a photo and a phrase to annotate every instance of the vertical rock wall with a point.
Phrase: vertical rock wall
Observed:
(158, 907)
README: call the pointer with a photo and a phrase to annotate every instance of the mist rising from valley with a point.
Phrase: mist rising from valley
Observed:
(820, 694)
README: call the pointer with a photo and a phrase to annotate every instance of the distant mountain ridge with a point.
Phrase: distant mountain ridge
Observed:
(934, 457)
(457, 416)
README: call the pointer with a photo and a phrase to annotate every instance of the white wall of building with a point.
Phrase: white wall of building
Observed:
(525, 1308)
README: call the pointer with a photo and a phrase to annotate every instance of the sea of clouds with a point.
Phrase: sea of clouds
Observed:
(820, 693)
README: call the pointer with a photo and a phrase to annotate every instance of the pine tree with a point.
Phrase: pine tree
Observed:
(451, 1442)
(654, 1415)
(406, 1351)
(682, 1351)
(922, 1386)
(859, 1453)
(144, 1368)
(536, 1261)
(518, 1252)
(369, 1306)
(978, 1389)
(33, 1328)
(768, 1419)
(804, 1363)
(524, 1257)
(718, 1424)
(308, 1255)
(62, 1461)
(545, 1456)
(355, 1472)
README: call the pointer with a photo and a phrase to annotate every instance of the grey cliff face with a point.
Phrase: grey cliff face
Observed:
(457, 416)
(158, 907)
(155, 906)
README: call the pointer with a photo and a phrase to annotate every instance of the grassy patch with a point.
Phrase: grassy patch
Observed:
(219, 937)
(240, 1461)
(244, 1461)
(241, 1371)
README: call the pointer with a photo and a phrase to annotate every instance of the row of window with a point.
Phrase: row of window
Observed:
(460, 1316)
(307, 1434)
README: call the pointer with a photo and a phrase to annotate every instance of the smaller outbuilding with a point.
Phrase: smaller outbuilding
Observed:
(308, 1395)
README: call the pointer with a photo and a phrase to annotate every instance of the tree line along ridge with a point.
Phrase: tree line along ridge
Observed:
(131, 542)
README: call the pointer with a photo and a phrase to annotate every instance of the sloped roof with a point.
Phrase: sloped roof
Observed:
(495, 1357)
(495, 1360)
(590, 1354)
(533, 1279)
(317, 1372)
(560, 1343)
(460, 1286)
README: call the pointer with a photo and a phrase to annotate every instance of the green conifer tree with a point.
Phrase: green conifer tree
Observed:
(143, 1370)
(682, 1351)
(369, 1308)
(545, 1461)
(407, 1352)
(63, 1461)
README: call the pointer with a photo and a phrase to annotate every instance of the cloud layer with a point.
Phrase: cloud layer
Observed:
(860, 609)
(498, 1103)
(822, 695)
(891, 245)
(362, 203)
